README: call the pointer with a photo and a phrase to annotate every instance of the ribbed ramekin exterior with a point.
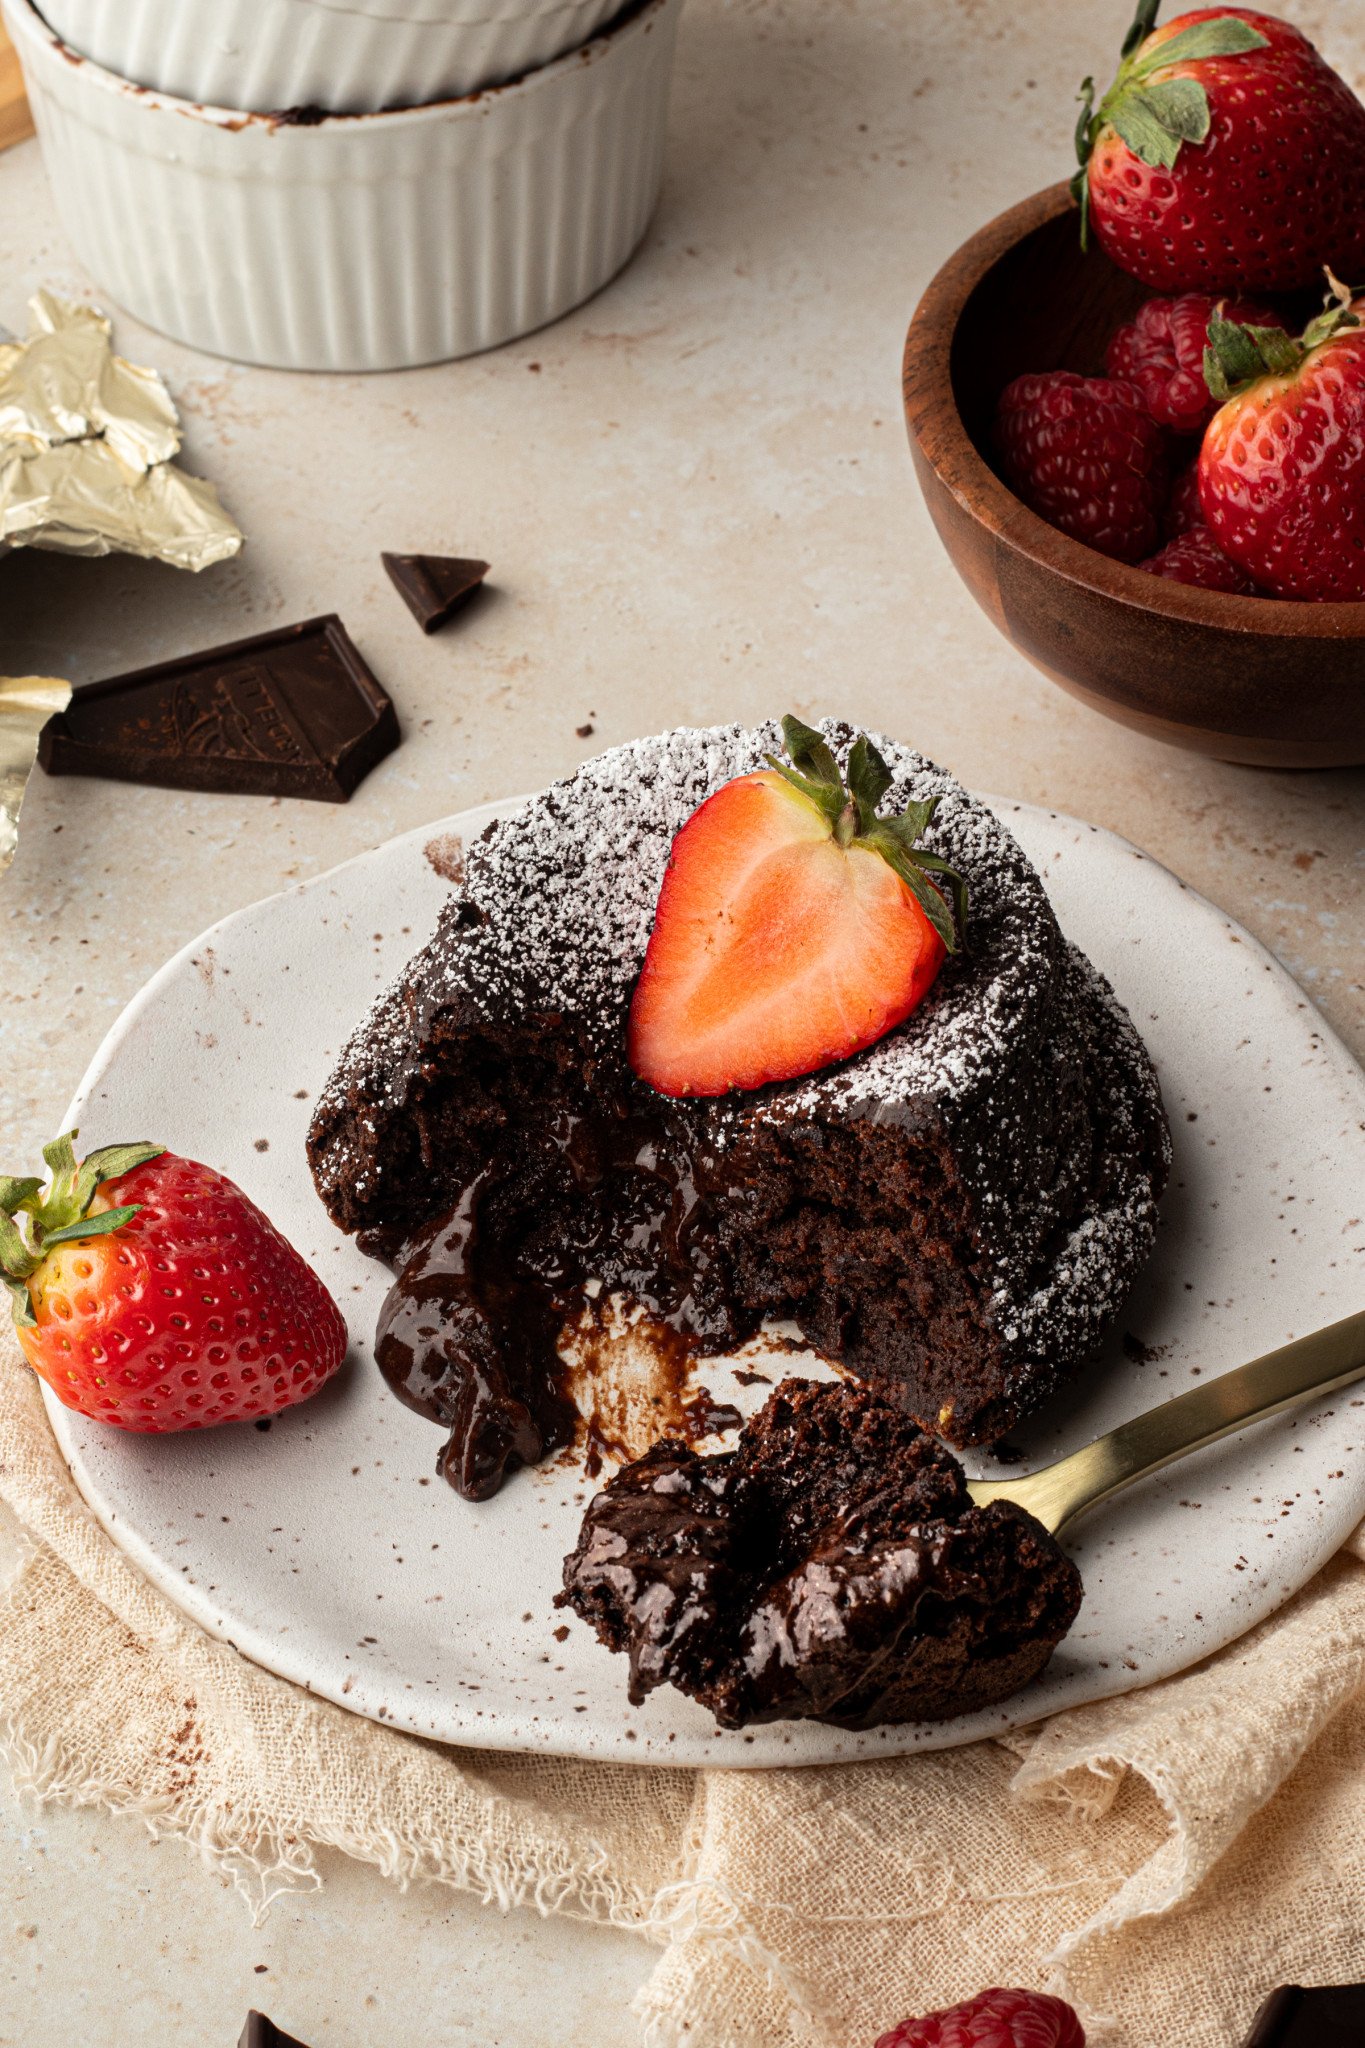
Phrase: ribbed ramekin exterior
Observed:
(262, 55)
(362, 244)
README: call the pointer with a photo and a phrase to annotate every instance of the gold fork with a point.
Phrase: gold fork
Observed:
(1330, 1358)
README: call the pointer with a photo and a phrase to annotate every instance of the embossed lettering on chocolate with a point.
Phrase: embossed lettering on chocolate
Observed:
(293, 712)
(831, 1568)
(955, 1214)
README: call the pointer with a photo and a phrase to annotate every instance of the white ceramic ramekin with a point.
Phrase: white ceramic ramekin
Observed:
(264, 55)
(361, 242)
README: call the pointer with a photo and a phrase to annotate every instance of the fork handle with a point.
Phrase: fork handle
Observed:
(1318, 1364)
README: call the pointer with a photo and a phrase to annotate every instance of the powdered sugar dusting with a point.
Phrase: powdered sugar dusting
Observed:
(555, 916)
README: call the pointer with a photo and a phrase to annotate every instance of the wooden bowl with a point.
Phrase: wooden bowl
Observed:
(1246, 678)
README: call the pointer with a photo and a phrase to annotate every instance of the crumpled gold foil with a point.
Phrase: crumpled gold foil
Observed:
(26, 704)
(87, 442)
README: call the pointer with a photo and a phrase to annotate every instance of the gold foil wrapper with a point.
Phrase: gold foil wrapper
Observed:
(26, 704)
(87, 448)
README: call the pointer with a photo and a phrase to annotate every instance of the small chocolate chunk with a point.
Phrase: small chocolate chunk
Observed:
(1325, 2016)
(259, 2032)
(433, 587)
(294, 712)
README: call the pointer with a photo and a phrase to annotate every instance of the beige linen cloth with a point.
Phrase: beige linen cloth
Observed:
(1161, 1859)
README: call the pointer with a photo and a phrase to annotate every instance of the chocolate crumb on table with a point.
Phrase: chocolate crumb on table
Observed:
(434, 587)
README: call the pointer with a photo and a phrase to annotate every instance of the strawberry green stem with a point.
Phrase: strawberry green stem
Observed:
(854, 820)
(1155, 114)
(1141, 26)
(62, 1215)
(1237, 355)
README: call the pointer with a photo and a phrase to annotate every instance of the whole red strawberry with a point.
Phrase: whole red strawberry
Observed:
(1087, 456)
(993, 2019)
(1195, 557)
(795, 925)
(1226, 156)
(153, 1294)
(1183, 509)
(1161, 351)
(1282, 468)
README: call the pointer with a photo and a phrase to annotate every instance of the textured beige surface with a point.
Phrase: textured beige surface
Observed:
(698, 503)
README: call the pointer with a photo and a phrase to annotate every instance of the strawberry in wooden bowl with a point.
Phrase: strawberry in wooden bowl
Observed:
(1227, 156)
(1282, 468)
(1072, 433)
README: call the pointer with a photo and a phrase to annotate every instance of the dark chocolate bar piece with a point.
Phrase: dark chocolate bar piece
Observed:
(1323, 2016)
(294, 712)
(259, 2032)
(433, 586)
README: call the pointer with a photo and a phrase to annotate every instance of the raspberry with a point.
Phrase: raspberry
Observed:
(1086, 456)
(1184, 509)
(1195, 557)
(993, 2019)
(1161, 351)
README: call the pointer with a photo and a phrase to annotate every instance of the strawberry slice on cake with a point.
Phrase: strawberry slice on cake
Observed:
(795, 925)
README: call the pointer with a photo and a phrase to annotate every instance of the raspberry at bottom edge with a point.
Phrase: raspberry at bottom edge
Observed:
(993, 2019)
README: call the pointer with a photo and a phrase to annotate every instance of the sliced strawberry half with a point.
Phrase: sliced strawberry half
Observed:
(794, 927)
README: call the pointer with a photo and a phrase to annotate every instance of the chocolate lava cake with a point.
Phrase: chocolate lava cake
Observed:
(954, 1214)
(832, 1568)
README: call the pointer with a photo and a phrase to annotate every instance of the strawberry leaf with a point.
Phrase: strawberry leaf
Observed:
(1336, 312)
(1138, 120)
(811, 755)
(930, 901)
(21, 1303)
(16, 1260)
(110, 1162)
(815, 772)
(1278, 351)
(869, 778)
(17, 1194)
(91, 1226)
(956, 883)
(1084, 139)
(1085, 142)
(1237, 355)
(1230, 358)
(913, 822)
(1226, 37)
(60, 1155)
(1182, 107)
(852, 813)
(829, 802)
(1080, 192)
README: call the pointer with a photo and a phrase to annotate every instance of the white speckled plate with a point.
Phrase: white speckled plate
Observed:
(326, 1550)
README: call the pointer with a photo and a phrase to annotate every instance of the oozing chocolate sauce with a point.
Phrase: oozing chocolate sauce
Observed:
(441, 1344)
(832, 1567)
(469, 1332)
